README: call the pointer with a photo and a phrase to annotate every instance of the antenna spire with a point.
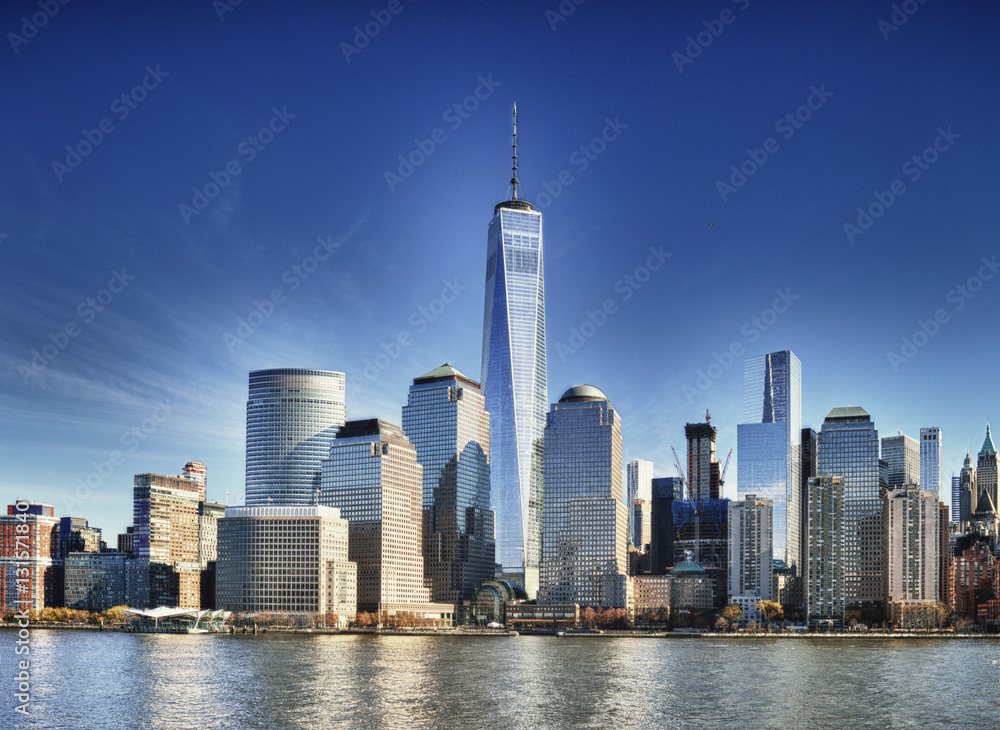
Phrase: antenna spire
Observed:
(514, 181)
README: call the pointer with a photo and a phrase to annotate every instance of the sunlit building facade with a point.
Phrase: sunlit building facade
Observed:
(292, 418)
(514, 382)
(30, 568)
(902, 457)
(825, 587)
(912, 544)
(931, 475)
(751, 563)
(640, 501)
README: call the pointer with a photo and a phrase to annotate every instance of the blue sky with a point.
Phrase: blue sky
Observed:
(641, 129)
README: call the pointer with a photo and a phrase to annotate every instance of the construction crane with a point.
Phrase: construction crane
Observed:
(722, 474)
(680, 469)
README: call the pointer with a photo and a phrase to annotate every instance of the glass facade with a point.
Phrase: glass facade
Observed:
(661, 540)
(640, 498)
(514, 383)
(446, 421)
(292, 418)
(849, 447)
(931, 475)
(768, 445)
(584, 538)
(902, 457)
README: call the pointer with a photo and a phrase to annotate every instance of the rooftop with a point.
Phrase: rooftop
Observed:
(582, 393)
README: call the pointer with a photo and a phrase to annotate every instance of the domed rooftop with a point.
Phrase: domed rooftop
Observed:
(582, 393)
(687, 568)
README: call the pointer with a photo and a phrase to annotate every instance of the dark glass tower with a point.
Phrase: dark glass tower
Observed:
(514, 383)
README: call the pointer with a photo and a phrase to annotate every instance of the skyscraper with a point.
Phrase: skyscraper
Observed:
(702, 466)
(849, 447)
(446, 421)
(514, 381)
(931, 476)
(661, 539)
(956, 498)
(751, 561)
(584, 540)
(968, 489)
(825, 589)
(902, 456)
(768, 445)
(292, 418)
(987, 468)
(640, 496)
(31, 572)
(912, 544)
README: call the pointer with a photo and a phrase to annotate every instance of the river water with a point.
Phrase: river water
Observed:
(113, 680)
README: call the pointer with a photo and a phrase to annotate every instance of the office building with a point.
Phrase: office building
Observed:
(931, 476)
(768, 445)
(514, 381)
(640, 502)
(585, 522)
(968, 490)
(446, 421)
(987, 468)
(751, 563)
(825, 579)
(372, 476)
(902, 457)
(849, 447)
(703, 473)
(286, 558)
(77, 536)
(209, 514)
(166, 535)
(292, 418)
(665, 490)
(912, 544)
(30, 569)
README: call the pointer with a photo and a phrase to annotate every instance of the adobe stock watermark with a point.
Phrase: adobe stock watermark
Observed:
(751, 330)
(900, 14)
(222, 7)
(713, 29)
(120, 107)
(130, 440)
(30, 26)
(786, 126)
(86, 312)
(419, 320)
(561, 14)
(913, 168)
(454, 116)
(624, 289)
(581, 158)
(22, 644)
(247, 149)
(363, 35)
(928, 329)
(292, 278)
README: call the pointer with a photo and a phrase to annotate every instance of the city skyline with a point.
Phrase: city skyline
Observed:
(353, 241)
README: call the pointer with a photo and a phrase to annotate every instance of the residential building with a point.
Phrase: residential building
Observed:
(372, 476)
(446, 421)
(292, 418)
(946, 579)
(286, 558)
(956, 498)
(126, 540)
(196, 472)
(769, 448)
(665, 490)
(974, 567)
(30, 568)
(825, 579)
(95, 581)
(513, 380)
(585, 522)
(751, 564)
(912, 544)
(640, 502)
(849, 447)
(931, 475)
(209, 514)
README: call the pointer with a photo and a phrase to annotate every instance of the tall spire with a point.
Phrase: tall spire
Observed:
(988, 447)
(514, 181)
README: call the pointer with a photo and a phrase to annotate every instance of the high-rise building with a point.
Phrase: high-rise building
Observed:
(31, 572)
(751, 562)
(285, 558)
(902, 457)
(126, 540)
(640, 499)
(209, 514)
(825, 588)
(196, 472)
(165, 515)
(661, 540)
(514, 381)
(946, 587)
(702, 467)
(849, 447)
(931, 476)
(968, 490)
(373, 478)
(912, 544)
(292, 418)
(77, 536)
(95, 581)
(446, 421)
(988, 467)
(585, 522)
(768, 445)
(956, 498)
(701, 529)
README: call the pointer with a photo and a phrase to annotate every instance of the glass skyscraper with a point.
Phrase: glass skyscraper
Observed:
(446, 421)
(768, 446)
(513, 380)
(292, 418)
(902, 457)
(931, 476)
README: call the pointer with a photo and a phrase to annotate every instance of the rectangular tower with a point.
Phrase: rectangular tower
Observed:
(702, 466)
(640, 495)
(825, 587)
(902, 457)
(912, 544)
(751, 562)
(514, 381)
(931, 477)
(768, 450)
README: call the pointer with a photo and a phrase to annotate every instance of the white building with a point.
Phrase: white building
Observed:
(912, 544)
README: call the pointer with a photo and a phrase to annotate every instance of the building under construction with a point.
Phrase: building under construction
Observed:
(704, 477)
(702, 526)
